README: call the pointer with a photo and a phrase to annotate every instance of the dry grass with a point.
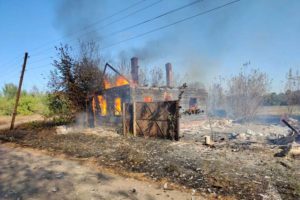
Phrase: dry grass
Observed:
(277, 110)
(219, 170)
(5, 120)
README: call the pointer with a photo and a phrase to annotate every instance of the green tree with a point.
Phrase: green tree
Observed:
(9, 90)
(74, 78)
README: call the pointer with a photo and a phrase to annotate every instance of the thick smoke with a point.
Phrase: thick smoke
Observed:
(187, 46)
(153, 49)
(74, 18)
(189, 62)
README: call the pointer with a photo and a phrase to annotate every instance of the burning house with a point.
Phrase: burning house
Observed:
(107, 105)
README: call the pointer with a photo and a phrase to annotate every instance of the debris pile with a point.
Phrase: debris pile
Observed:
(291, 143)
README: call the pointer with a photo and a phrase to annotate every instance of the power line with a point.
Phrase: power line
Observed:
(43, 66)
(106, 25)
(39, 60)
(92, 24)
(145, 21)
(11, 64)
(12, 60)
(10, 71)
(168, 25)
(148, 20)
(11, 74)
(152, 19)
(172, 24)
(82, 29)
(112, 15)
(124, 17)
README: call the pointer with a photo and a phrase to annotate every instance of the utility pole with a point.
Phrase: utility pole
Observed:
(19, 92)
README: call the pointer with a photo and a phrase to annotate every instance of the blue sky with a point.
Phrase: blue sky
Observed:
(264, 32)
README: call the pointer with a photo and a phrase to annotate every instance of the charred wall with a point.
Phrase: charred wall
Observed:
(153, 94)
(191, 96)
(112, 96)
(116, 96)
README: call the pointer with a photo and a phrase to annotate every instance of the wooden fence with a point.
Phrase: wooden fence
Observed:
(152, 119)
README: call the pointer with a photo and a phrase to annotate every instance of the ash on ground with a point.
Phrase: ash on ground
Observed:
(240, 164)
(197, 126)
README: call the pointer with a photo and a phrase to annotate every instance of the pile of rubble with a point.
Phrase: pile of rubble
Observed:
(226, 131)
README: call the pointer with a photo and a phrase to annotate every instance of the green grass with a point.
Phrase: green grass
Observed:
(28, 105)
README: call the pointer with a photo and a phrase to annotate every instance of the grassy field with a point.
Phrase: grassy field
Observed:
(277, 110)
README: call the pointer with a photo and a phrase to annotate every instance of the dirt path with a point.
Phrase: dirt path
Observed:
(5, 120)
(27, 174)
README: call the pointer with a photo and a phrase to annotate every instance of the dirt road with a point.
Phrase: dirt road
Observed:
(27, 174)
(5, 120)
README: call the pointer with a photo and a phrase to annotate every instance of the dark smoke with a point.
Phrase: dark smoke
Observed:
(176, 44)
(74, 17)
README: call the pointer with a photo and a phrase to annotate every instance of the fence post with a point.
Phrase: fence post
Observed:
(134, 118)
(177, 121)
(124, 119)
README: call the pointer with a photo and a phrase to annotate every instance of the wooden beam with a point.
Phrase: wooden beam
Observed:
(124, 119)
(134, 118)
(177, 115)
(117, 72)
(18, 93)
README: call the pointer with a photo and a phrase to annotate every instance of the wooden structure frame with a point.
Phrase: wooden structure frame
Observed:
(152, 119)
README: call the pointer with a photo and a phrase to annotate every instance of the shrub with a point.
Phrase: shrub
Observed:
(246, 92)
(28, 105)
(59, 107)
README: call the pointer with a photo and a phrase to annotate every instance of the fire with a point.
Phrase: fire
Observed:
(103, 105)
(148, 99)
(107, 84)
(121, 81)
(93, 105)
(118, 106)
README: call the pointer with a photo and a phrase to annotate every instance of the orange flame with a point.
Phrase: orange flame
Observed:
(103, 105)
(93, 105)
(121, 81)
(107, 84)
(118, 106)
(148, 99)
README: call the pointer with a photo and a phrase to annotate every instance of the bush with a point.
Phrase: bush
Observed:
(59, 107)
(246, 93)
(9, 90)
(31, 105)
(242, 96)
(28, 105)
(6, 106)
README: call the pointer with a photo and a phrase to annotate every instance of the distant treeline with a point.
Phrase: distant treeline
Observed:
(31, 102)
(282, 99)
